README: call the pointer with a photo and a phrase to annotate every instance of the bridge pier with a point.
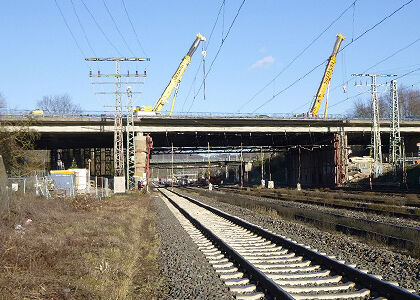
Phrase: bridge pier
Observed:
(142, 145)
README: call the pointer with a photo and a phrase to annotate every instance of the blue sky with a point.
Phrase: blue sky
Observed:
(39, 56)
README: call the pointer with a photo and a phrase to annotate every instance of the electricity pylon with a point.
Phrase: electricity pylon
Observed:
(395, 134)
(376, 145)
(131, 167)
(118, 108)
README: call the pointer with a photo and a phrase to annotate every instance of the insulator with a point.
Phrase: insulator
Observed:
(137, 72)
(90, 73)
(144, 72)
(99, 72)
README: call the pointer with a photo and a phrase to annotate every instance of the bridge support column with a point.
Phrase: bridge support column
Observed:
(143, 145)
(340, 158)
(53, 159)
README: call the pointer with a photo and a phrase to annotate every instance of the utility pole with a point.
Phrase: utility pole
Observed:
(118, 113)
(395, 135)
(376, 145)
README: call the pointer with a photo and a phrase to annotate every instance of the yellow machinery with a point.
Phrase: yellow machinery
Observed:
(175, 81)
(37, 112)
(326, 80)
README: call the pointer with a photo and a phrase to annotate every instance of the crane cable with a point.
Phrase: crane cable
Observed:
(220, 48)
(206, 46)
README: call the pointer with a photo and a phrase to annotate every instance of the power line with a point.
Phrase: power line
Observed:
(290, 85)
(348, 98)
(207, 45)
(71, 32)
(359, 94)
(381, 61)
(116, 27)
(218, 51)
(297, 56)
(408, 73)
(191, 86)
(317, 66)
(215, 23)
(83, 29)
(377, 24)
(100, 28)
(134, 30)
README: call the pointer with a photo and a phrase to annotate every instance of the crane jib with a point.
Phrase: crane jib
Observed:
(326, 78)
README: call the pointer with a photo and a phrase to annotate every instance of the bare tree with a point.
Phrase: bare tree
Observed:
(361, 109)
(409, 100)
(59, 105)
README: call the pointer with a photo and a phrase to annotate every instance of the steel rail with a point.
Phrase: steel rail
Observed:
(267, 285)
(375, 284)
(361, 208)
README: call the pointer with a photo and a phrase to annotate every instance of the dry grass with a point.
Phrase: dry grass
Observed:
(79, 249)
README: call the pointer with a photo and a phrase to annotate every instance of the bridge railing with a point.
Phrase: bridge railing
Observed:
(22, 113)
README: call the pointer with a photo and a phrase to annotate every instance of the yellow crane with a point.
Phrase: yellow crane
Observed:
(313, 112)
(174, 82)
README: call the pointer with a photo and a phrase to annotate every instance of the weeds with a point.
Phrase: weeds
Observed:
(79, 248)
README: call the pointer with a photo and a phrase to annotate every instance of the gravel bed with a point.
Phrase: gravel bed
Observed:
(184, 269)
(342, 211)
(377, 259)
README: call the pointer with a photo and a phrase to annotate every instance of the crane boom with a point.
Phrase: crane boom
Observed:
(326, 78)
(176, 78)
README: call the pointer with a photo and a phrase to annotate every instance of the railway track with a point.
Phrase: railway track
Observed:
(410, 211)
(403, 237)
(256, 263)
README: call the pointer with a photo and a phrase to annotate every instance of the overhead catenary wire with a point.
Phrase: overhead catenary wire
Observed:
(83, 29)
(118, 30)
(134, 30)
(72, 34)
(381, 61)
(206, 47)
(408, 73)
(218, 51)
(298, 55)
(342, 49)
(100, 28)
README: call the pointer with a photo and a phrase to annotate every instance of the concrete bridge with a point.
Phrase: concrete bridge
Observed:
(325, 143)
(196, 132)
